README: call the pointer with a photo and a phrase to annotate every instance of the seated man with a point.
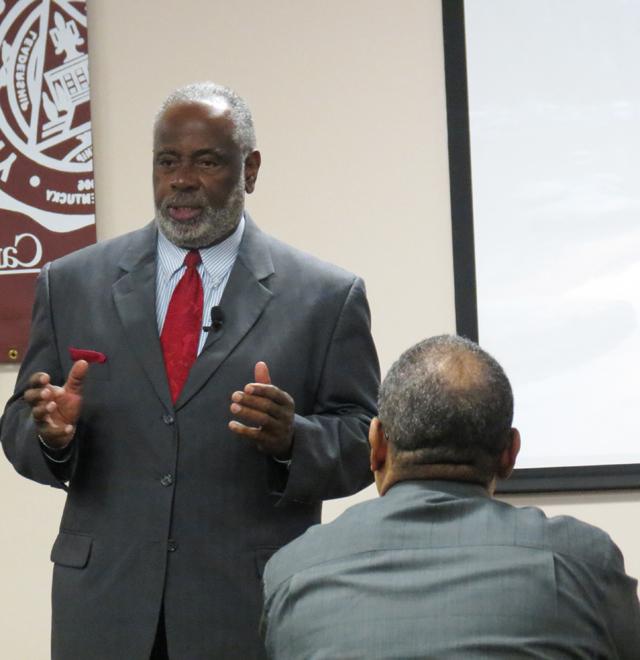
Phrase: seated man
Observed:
(437, 568)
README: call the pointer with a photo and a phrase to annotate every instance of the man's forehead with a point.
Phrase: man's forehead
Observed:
(199, 108)
(189, 114)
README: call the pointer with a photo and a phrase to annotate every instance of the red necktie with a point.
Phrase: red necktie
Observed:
(182, 326)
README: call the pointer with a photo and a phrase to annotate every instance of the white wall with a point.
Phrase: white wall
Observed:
(348, 99)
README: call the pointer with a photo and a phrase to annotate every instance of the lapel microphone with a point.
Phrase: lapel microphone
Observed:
(217, 320)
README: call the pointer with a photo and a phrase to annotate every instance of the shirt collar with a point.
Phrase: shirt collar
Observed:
(216, 259)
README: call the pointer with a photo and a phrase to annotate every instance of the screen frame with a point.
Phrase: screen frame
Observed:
(543, 479)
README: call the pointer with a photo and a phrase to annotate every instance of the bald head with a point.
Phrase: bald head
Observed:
(447, 402)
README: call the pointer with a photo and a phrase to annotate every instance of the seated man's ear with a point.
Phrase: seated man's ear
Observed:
(509, 455)
(379, 445)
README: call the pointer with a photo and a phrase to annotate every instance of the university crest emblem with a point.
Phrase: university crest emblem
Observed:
(46, 158)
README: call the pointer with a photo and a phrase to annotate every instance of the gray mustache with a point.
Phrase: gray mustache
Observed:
(184, 200)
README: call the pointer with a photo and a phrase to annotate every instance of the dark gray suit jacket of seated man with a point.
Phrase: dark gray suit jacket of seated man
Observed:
(166, 506)
(437, 568)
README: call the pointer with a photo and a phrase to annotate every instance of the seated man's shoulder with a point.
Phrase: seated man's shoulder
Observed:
(566, 535)
(322, 543)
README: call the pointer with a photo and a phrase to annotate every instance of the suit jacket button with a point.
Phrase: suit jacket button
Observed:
(172, 546)
(167, 480)
(168, 419)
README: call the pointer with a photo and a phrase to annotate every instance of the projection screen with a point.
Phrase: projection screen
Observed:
(543, 104)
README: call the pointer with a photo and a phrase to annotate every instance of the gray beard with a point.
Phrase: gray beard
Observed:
(211, 226)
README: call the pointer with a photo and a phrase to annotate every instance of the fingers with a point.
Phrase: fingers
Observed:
(54, 430)
(274, 439)
(76, 377)
(55, 410)
(253, 433)
(266, 398)
(39, 388)
(254, 391)
(261, 412)
(261, 373)
(46, 412)
(252, 417)
(40, 384)
(264, 414)
(34, 396)
(270, 410)
(39, 379)
(39, 412)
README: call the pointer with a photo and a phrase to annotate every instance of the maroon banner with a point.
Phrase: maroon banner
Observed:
(47, 205)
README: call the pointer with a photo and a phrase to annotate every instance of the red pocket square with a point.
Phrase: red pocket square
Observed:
(84, 354)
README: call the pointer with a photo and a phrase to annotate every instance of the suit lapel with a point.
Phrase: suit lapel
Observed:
(244, 300)
(134, 296)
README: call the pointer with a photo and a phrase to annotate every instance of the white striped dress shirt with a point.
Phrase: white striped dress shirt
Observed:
(214, 270)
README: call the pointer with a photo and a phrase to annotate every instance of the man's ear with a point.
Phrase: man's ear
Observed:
(378, 444)
(509, 455)
(251, 167)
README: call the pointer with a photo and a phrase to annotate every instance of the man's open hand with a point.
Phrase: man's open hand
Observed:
(265, 413)
(55, 409)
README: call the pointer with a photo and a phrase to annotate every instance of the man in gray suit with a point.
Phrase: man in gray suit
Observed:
(178, 492)
(437, 568)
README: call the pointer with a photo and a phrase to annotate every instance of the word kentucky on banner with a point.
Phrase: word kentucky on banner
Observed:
(47, 205)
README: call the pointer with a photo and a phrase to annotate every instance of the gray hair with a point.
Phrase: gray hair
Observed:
(446, 401)
(209, 92)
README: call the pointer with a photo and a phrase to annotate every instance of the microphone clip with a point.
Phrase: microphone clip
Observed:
(217, 320)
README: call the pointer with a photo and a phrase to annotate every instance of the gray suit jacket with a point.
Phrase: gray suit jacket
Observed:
(164, 502)
(439, 570)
